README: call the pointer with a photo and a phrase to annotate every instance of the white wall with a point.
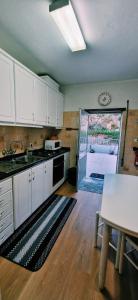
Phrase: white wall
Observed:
(86, 95)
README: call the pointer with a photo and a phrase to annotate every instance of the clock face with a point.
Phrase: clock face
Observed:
(104, 98)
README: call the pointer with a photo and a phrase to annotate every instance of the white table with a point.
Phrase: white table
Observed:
(119, 210)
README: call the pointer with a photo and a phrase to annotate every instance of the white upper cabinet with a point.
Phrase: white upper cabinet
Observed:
(40, 96)
(26, 98)
(51, 106)
(24, 95)
(60, 102)
(7, 108)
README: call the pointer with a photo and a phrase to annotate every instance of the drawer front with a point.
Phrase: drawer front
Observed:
(6, 233)
(7, 221)
(7, 208)
(5, 186)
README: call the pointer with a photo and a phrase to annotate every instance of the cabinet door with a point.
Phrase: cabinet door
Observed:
(66, 164)
(22, 197)
(40, 92)
(37, 186)
(51, 106)
(24, 94)
(7, 109)
(60, 101)
(47, 179)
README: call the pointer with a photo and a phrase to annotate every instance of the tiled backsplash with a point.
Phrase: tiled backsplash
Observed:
(20, 138)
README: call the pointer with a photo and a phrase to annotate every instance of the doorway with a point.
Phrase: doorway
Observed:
(99, 147)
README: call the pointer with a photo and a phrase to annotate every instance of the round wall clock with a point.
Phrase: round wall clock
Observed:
(104, 98)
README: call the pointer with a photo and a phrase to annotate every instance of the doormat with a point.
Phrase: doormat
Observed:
(31, 243)
(93, 185)
(96, 175)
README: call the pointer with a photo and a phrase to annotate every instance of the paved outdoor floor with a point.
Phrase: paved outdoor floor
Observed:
(101, 163)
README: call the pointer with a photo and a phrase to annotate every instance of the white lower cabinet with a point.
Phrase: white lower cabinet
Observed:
(6, 210)
(48, 179)
(22, 197)
(37, 186)
(31, 188)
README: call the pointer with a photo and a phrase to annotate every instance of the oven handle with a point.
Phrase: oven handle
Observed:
(56, 166)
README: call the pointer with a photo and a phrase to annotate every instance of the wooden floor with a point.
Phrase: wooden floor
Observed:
(71, 270)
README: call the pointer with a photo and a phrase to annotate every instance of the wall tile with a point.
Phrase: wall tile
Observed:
(19, 138)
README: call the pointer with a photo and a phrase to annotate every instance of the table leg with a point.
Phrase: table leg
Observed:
(104, 255)
(118, 250)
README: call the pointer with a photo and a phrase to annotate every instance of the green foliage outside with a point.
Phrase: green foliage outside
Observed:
(114, 134)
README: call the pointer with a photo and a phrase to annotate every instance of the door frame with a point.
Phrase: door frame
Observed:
(78, 146)
(101, 110)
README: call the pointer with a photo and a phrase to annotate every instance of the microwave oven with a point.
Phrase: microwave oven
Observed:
(53, 144)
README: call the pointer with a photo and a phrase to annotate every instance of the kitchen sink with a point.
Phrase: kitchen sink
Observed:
(26, 159)
(17, 163)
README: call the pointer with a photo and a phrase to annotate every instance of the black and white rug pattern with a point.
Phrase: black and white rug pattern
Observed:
(31, 243)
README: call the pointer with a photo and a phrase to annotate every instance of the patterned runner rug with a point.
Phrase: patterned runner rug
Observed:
(31, 243)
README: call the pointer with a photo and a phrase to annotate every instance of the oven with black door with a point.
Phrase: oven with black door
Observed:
(58, 169)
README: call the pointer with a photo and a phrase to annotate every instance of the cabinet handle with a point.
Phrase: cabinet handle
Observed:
(33, 178)
(45, 171)
(30, 180)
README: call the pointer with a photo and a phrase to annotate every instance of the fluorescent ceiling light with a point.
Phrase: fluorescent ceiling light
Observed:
(64, 16)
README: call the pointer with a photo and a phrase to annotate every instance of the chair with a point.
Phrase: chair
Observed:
(133, 243)
(99, 224)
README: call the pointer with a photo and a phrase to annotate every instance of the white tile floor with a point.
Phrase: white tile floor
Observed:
(101, 163)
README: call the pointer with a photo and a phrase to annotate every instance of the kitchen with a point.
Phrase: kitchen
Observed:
(39, 111)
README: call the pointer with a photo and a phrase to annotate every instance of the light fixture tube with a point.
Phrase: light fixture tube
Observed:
(64, 16)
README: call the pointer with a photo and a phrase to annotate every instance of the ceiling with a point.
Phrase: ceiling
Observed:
(110, 29)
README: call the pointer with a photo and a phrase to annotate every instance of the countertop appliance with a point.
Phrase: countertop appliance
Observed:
(53, 144)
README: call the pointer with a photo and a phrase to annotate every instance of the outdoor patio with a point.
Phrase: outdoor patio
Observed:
(102, 149)
(100, 163)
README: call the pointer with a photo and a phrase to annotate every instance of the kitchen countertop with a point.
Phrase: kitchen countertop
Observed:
(16, 163)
